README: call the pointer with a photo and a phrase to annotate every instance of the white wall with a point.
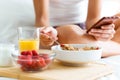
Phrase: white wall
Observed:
(13, 14)
(110, 7)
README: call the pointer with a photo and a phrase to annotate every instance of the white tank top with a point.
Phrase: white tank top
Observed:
(67, 11)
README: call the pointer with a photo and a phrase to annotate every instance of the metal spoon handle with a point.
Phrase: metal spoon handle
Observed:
(54, 40)
(57, 42)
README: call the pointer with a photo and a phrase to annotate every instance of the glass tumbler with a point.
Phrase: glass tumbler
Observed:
(6, 49)
(28, 39)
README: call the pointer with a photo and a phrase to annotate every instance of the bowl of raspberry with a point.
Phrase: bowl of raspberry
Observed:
(32, 61)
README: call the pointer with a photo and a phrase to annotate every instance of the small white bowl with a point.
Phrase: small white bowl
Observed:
(77, 57)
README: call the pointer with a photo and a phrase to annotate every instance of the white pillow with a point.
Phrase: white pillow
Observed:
(14, 13)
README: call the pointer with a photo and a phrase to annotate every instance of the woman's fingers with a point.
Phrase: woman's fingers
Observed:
(48, 36)
(45, 29)
(50, 31)
(105, 33)
(111, 26)
(95, 31)
(104, 30)
(104, 38)
(45, 39)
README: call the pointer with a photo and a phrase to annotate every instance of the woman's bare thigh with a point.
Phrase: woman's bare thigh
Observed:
(73, 34)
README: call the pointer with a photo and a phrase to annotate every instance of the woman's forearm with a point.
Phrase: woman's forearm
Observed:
(94, 12)
(41, 8)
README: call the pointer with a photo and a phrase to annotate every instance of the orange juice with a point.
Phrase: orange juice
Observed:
(26, 45)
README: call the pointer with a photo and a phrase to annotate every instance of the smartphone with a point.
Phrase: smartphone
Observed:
(103, 21)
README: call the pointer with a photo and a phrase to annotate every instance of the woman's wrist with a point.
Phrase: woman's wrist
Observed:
(41, 22)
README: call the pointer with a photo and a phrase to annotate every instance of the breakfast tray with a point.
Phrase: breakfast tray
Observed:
(57, 71)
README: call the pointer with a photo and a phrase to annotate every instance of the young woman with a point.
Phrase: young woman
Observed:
(70, 19)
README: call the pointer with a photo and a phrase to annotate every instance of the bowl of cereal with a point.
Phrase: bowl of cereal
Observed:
(77, 53)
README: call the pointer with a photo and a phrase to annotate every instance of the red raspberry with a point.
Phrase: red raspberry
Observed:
(23, 53)
(46, 57)
(28, 60)
(35, 53)
(62, 45)
(42, 62)
(29, 53)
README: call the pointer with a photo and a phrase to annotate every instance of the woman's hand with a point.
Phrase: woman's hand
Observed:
(48, 36)
(105, 33)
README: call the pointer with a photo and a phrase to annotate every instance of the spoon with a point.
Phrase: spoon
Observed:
(54, 41)
(57, 42)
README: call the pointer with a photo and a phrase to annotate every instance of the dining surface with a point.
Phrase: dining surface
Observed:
(112, 69)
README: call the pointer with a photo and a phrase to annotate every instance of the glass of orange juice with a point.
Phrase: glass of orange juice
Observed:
(28, 39)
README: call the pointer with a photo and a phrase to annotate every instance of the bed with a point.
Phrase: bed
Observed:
(15, 13)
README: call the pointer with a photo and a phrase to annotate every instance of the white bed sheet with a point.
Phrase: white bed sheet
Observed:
(113, 61)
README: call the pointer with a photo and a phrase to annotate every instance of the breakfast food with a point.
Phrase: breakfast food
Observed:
(32, 61)
(69, 47)
(25, 45)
